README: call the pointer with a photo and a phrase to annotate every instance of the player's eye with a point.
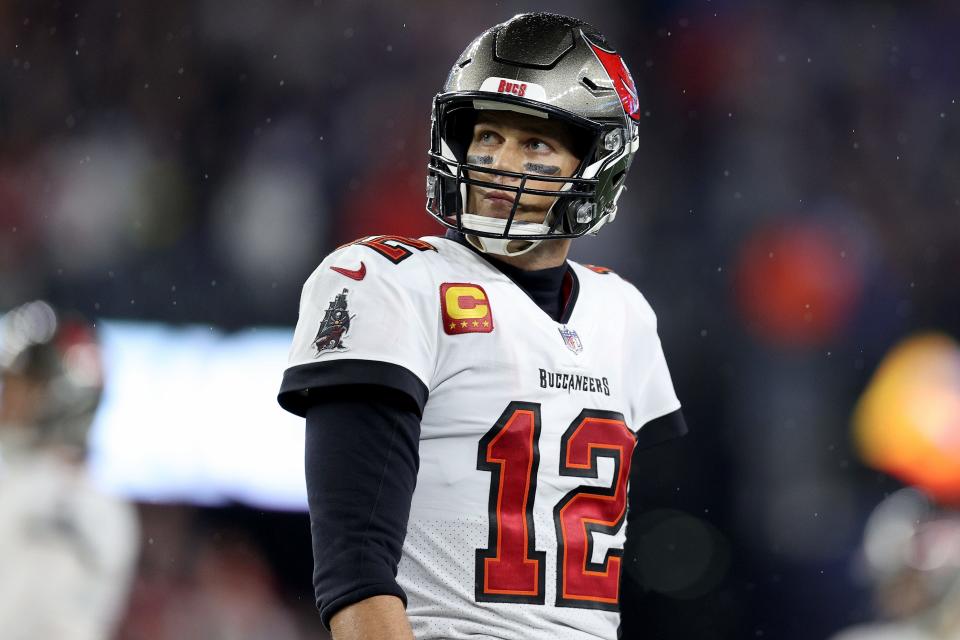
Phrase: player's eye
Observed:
(539, 146)
(487, 137)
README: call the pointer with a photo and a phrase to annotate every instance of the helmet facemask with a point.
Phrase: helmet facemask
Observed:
(576, 209)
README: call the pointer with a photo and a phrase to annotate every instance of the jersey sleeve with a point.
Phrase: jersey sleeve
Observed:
(656, 408)
(363, 320)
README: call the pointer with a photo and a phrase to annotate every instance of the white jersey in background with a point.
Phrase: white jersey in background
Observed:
(516, 525)
(67, 552)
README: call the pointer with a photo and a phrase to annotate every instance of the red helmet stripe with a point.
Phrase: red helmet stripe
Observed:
(616, 68)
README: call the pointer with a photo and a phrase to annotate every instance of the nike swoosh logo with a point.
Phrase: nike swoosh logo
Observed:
(356, 274)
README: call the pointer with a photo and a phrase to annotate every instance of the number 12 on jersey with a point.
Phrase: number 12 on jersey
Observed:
(510, 569)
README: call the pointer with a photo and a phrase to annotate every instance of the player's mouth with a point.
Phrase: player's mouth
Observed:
(498, 204)
(501, 196)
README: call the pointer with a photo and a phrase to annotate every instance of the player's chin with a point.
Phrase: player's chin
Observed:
(495, 208)
(500, 209)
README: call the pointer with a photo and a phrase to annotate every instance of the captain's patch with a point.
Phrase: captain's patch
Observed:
(466, 308)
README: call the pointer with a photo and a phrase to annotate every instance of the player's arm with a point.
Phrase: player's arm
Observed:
(361, 469)
(376, 618)
(362, 358)
(645, 612)
(661, 424)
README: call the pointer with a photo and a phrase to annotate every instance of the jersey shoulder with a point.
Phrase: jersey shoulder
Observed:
(394, 270)
(381, 254)
(613, 286)
(386, 260)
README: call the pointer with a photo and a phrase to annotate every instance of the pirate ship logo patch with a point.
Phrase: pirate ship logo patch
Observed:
(571, 339)
(334, 326)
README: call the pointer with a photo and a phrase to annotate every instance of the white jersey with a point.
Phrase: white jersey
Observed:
(516, 525)
(67, 552)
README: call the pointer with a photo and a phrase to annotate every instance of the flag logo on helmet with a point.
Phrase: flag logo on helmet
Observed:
(616, 68)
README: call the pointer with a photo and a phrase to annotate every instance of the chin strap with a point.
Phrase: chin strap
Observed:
(501, 246)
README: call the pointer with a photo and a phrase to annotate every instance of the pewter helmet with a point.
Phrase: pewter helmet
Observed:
(549, 66)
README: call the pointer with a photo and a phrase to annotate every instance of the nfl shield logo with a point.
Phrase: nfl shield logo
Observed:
(571, 339)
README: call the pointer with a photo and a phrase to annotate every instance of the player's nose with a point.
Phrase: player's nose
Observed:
(510, 158)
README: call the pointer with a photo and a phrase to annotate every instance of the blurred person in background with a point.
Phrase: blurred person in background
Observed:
(911, 557)
(67, 550)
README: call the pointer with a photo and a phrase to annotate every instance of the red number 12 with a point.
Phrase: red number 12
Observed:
(510, 569)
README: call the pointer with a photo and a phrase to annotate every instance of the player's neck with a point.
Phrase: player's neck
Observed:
(546, 255)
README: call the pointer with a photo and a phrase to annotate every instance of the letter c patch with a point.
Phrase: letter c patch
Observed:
(466, 308)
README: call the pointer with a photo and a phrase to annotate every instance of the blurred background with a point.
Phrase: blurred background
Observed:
(177, 169)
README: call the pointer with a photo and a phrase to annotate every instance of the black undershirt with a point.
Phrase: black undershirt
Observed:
(361, 462)
(544, 286)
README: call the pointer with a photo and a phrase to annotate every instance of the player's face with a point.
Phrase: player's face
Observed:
(20, 400)
(523, 144)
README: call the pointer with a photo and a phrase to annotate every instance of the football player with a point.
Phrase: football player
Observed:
(911, 555)
(67, 551)
(473, 400)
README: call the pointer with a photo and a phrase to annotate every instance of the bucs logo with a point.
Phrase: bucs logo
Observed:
(516, 88)
(616, 68)
(335, 325)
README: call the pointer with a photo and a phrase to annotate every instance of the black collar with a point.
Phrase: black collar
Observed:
(554, 290)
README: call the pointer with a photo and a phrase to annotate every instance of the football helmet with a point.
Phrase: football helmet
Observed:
(61, 355)
(549, 66)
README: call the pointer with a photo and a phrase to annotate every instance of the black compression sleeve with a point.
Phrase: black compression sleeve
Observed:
(642, 611)
(361, 469)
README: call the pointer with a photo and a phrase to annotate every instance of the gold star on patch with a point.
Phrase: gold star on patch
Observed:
(476, 323)
(486, 323)
(464, 324)
(453, 325)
